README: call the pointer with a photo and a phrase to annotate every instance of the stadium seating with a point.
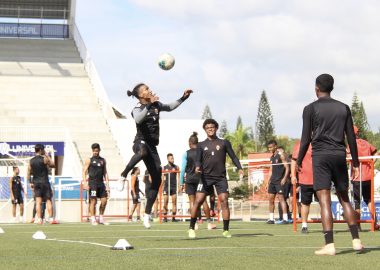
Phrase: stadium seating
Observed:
(44, 83)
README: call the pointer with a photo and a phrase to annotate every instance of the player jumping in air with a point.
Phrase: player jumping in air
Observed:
(147, 118)
(96, 169)
(211, 163)
(325, 124)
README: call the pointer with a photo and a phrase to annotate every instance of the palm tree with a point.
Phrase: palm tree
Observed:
(241, 140)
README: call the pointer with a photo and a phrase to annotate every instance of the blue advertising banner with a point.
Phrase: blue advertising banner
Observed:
(27, 148)
(34, 30)
(70, 188)
(337, 210)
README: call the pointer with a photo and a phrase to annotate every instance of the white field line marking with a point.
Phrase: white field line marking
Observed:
(80, 242)
(150, 230)
(213, 248)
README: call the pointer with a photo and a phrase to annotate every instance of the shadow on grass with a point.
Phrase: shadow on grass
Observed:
(364, 251)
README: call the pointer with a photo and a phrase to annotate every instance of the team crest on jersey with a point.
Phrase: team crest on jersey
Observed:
(156, 111)
(217, 147)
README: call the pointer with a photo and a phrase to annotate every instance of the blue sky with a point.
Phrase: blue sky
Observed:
(229, 51)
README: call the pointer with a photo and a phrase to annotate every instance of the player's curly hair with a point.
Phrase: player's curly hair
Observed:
(325, 82)
(135, 91)
(210, 121)
(193, 138)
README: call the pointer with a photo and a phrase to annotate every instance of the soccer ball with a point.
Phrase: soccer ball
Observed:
(166, 61)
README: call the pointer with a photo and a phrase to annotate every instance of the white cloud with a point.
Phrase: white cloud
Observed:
(229, 51)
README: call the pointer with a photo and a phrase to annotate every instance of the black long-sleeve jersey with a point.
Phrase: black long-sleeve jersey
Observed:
(211, 158)
(147, 118)
(325, 123)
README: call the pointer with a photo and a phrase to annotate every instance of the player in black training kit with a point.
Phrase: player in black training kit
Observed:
(96, 168)
(211, 163)
(16, 193)
(325, 124)
(147, 116)
(278, 175)
(38, 167)
(171, 179)
(193, 179)
(135, 193)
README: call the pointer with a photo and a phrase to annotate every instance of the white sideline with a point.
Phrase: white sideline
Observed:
(80, 242)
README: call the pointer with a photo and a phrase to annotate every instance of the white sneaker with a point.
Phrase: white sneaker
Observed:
(94, 223)
(147, 221)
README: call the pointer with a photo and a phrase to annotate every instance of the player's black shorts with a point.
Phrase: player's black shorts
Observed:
(173, 190)
(330, 168)
(207, 186)
(287, 189)
(136, 199)
(98, 191)
(307, 192)
(191, 188)
(43, 190)
(366, 192)
(18, 199)
(276, 188)
(291, 193)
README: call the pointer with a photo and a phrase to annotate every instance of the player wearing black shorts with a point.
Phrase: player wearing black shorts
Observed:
(16, 193)
(325, 124)
(193, 179)
(146, 115)
(171, 179)
(135, 193)
(211, 162)
(96, 168)
(38, 168)
(278, 175)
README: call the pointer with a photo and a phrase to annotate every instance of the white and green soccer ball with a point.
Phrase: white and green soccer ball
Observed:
(166, 61)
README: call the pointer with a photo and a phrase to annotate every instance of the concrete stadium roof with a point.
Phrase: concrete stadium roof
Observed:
(45, 9)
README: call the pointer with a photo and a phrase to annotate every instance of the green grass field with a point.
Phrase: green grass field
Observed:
(254, 245)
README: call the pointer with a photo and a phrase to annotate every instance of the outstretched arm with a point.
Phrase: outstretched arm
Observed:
(171, 106)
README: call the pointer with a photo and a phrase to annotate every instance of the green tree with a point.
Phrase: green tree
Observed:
(239, 122)
(241, 141)
(264, 122)
(359, 117)
(206, 113)
(223, 130)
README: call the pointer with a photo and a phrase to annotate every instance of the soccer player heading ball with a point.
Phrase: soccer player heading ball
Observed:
(147, 116)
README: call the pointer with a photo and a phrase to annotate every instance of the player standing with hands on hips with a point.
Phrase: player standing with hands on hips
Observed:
(211, 163)
(147, 116)
(326, 121)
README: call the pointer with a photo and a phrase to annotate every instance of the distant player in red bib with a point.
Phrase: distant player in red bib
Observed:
(305, 180)
(365, 149)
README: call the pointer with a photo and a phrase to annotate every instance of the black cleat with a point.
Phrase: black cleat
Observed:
(270, 221)
(304, 230)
